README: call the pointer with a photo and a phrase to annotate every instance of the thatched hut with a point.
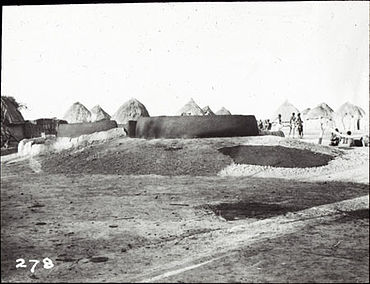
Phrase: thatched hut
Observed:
(207, 111)
(97, 113)
(304, 112)
(190, 108)
(349, 116)
(12, 121)
(321, 111)
(77, 113)
(286, 110)
(130, 110)
(223, 111)
(319, 118)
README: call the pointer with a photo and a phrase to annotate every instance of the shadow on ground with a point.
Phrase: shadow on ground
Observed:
(276, 156)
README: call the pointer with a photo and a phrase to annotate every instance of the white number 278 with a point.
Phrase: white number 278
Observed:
(48, 264)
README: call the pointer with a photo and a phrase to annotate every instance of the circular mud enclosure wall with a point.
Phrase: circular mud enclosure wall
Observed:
(78, 129)
(276, 156)
(196, 126)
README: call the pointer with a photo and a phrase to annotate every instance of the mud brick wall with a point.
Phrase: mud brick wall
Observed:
(275, 133)
(78, 129)
(196, 126)
(44, 125)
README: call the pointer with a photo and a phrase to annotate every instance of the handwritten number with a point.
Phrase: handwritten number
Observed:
(21, 264)
(48, 264)
(34, 266)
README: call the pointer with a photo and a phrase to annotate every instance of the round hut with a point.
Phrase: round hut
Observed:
(321, 111)
(97, 114)
(349, 116)
(223, 111)
(319, 119)
(207, 111)
(191, 108)
(286, 110)
(77, 113)
(130, 110)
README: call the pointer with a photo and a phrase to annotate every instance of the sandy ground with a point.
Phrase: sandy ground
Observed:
(212, 227)
(352, 166)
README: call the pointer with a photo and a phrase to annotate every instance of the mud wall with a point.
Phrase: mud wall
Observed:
(43, 125)
(275, 133)
(77, 129)
(196, 126)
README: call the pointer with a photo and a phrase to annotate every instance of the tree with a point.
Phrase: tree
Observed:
(6, 134)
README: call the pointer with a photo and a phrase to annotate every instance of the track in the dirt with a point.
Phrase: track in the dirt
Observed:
(355, 214)
(243, 209)
(247, 234)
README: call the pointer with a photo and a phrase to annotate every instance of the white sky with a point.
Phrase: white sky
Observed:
(248, 57)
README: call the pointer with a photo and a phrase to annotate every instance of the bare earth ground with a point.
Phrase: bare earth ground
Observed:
(167, 211)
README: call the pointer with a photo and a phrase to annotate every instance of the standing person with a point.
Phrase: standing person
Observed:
(265, 125)
(269, 125)
(299, 125)
(277, 123)
(292, 124)
(260, 124)
(280, 123)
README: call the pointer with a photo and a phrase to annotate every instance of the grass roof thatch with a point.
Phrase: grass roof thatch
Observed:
(77, 113)
(191, 108)
(10, 113)
(97, 113)
(348, 109)
(207, 111)
(130, 110)
(286, 110)
(321, 111)
(305, 111)
(223, 111)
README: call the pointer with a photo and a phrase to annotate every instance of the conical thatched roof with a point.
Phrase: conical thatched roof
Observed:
(325, 106)
(130, 110)
(191, 108)
(207, 111)
(305, 111)
(9, 111)
(348, 109)
(321, 111)
(77, 113)
(286, 110)
(223, 111)
(97, 113)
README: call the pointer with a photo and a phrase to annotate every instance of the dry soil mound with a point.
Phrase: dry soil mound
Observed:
(195, 157)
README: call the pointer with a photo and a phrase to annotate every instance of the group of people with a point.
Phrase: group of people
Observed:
(264, 125)
(295, 122)
(338, 137)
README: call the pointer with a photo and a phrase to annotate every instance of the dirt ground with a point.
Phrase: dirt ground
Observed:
(178, 227)
(173, 157)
